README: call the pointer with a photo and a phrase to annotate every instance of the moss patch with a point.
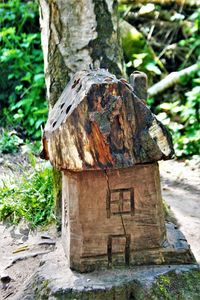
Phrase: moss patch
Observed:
(177, 285)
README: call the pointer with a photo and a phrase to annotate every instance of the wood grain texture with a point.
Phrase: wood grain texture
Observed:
(100, 123)
(87, 228)
(94, 239)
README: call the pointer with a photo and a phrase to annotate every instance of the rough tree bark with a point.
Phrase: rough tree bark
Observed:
(77, 35)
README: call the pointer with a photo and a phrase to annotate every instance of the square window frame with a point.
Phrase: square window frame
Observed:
(109, 201)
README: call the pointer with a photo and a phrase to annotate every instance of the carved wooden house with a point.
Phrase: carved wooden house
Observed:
(107, 143)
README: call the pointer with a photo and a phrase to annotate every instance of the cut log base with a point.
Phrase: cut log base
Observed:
(177, 252)
(115, 218)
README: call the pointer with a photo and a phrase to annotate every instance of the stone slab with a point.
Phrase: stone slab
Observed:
(55, 280)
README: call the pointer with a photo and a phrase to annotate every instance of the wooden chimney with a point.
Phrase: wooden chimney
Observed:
(106, 142)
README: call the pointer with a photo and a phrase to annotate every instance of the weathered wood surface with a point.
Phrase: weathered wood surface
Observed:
(74, 35)
(92, 224)
(139, 82)
(100, 123)
(96, 235)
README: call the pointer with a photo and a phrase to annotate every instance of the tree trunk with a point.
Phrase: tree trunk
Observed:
(77, 35)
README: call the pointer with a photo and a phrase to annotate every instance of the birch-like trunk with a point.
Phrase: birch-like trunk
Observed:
(76, 35)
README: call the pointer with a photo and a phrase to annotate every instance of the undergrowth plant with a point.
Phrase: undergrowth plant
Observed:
(9, 141)
(22, 93)
(30, 197)
(182, 116)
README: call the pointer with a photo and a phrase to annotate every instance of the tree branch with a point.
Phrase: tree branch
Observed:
(192, 3)
(171, 80)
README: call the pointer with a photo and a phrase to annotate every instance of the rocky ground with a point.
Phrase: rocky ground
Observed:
(23, 252)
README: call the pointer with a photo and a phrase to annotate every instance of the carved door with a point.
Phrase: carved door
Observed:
(118, 250)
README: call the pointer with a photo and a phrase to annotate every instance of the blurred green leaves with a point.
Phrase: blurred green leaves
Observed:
(183, 118)
(159, 40)
(22, 93)
(9, 141)
(30, 197)
(138, 53)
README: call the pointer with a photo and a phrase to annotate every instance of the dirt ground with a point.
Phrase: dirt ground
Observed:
(181, 190)
(23, 251)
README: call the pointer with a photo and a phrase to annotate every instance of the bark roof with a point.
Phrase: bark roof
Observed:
(99, 122)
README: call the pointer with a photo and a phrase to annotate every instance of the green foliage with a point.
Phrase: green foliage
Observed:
(177, 285)
(22, 94)
(184, 112)
(183, 119)
(138, 53)
(156, 35)
(29, 198)
(9, 142)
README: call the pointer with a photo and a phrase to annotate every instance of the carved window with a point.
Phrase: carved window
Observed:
(120, 201)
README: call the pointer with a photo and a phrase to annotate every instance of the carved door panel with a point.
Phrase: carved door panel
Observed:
(118, 250)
